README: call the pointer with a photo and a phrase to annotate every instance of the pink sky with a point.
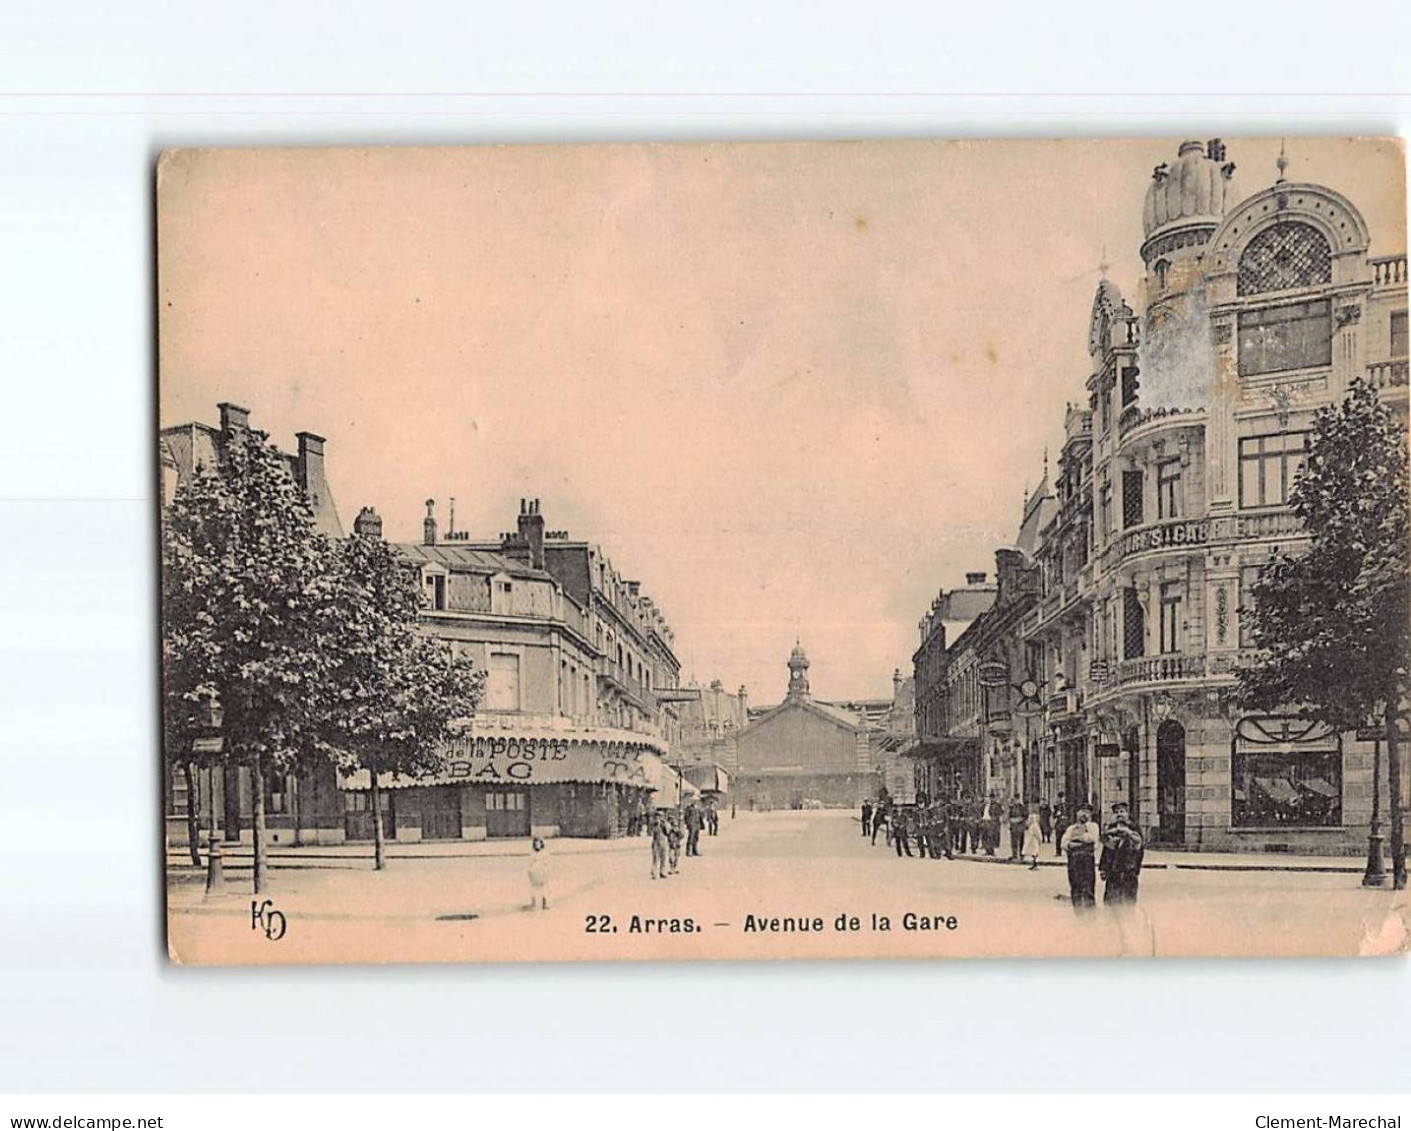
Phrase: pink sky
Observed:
(792, 389)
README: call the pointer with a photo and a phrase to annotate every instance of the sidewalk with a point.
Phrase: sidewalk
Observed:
(359, 854)
(1166, 859)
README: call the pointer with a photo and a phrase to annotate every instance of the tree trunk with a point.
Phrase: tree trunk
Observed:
(230, 791)
(257, 810)
(1394, 799)
(378, 860)
(193, 814)
(295, 787)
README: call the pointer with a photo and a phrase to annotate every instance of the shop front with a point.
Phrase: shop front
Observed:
(505, 784)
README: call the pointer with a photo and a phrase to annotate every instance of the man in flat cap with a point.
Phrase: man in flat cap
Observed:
(1079, 844)
(1121, 862)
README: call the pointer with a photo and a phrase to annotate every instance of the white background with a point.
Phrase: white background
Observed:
(93, 91)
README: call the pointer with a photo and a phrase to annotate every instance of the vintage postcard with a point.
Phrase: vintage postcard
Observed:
(784, 551)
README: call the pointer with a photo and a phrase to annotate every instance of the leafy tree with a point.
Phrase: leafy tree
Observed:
(249, 594)
(1330, 625)
(395, 695)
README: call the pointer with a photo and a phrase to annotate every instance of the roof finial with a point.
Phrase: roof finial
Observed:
(1045, 478)
(1283, 162)
(1102, 265)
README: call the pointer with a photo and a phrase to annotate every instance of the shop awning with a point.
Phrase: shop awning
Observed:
(531, 758)
(942, 749)
(1277, 788)
(671, 789)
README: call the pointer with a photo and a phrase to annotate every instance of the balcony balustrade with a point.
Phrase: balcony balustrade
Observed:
(1172, 667)
(1387, 374)
(1389, 271)
(1267, 524)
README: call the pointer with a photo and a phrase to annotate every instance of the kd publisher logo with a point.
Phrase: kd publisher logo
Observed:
(264, 917)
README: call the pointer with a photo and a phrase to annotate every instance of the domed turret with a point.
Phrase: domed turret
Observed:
(1191, 192)
(798, 673)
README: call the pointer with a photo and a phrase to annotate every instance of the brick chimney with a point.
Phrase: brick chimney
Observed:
(309, 467)
(428, 524)
(233, 418)
(975, 578)
(531, 531)
(368, 523)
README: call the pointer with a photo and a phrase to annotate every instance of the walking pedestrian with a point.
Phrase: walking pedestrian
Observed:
(539, 874)
(922, 830)
(1033, 840)
(1059, 826)
(673, 842)
(656, 826)
(694, 823)
(1079, 844)
(1045, 820)
(1018, 816)
(866, 817)
(713, 819)
(881, 819)
(901, 830)
(993, 816)
(1121, 861)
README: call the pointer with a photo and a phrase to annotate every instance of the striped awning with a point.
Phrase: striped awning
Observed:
(527, 757)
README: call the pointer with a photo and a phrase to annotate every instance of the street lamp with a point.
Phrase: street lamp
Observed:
(1375, 875)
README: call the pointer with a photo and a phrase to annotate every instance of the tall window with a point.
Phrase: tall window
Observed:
(1133, 626)
(1105, 510)
(1131, 499)
(1398, 333)
(1104, 408)
(1268, 465)
(502, 682)
(1168, 489)
(1130, 384)
(1171, 616)
(1296, 336)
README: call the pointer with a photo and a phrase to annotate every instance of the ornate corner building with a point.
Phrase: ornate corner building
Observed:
(1172, 493)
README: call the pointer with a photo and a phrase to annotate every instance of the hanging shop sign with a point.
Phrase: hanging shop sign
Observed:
(993, 673)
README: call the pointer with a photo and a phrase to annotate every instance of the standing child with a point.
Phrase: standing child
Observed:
(538, 875)
(656, 825)
(1033, 840)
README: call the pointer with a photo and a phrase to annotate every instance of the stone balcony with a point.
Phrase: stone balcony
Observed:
(1387, 374)
(1389, 271)
(1173, 667)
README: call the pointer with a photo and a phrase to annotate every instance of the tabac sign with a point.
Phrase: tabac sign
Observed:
(490, 758)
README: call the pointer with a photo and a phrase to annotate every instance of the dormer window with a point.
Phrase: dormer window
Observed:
(436, 591)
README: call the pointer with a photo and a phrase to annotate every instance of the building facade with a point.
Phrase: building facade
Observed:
(1172, 493)
(580, 707)
(804, 752)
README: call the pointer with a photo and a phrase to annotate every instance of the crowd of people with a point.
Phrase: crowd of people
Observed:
(944, 829)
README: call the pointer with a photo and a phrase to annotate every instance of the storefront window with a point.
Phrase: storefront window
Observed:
(1285, 772)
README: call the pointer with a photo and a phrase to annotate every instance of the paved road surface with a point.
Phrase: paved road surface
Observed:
(795, 867)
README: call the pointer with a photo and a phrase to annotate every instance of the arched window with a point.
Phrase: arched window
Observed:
(1284, 257)
(1162, 269)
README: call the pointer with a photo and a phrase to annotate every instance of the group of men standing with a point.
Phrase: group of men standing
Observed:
(670, 828)
(1119, 864)
(945, 828)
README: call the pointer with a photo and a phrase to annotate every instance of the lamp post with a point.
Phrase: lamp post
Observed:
(1375, 875)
